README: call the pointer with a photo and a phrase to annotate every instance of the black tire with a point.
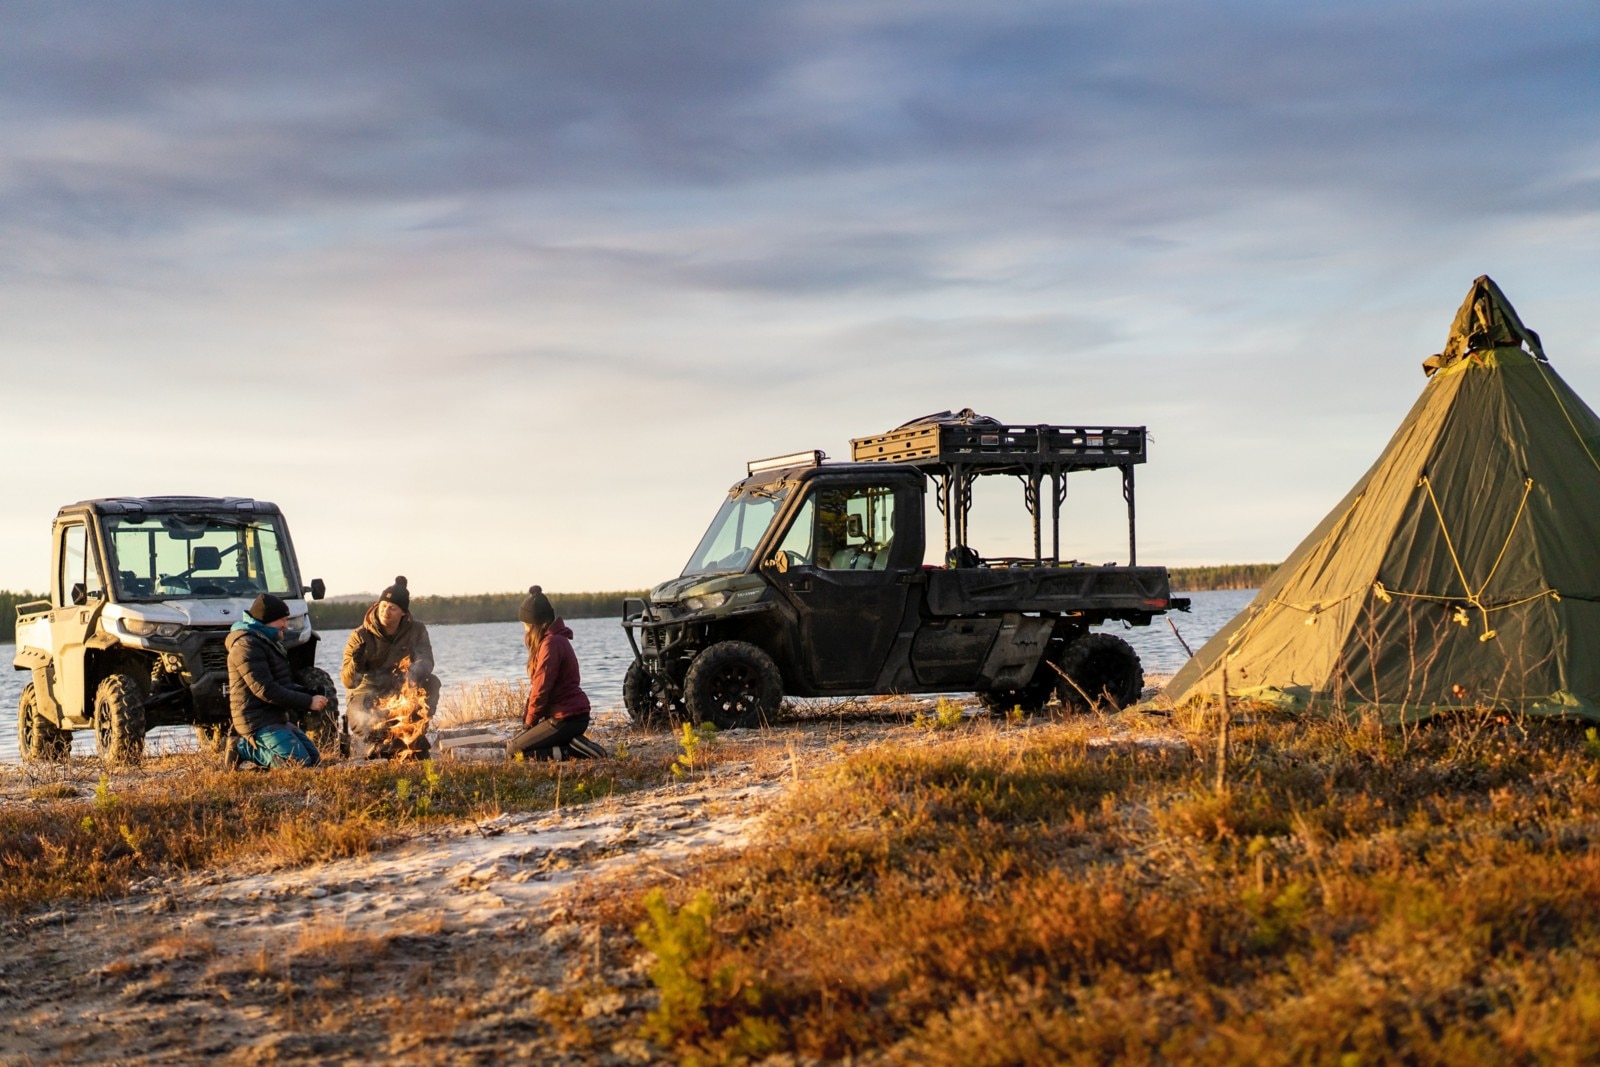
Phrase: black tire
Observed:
(37, 737)
(326, 728)
(649, 703)
(1102, 672)
(119, 720)
(733, 684)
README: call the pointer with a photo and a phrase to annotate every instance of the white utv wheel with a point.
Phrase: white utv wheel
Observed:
(119, 719)
(325, 728)
(37, 737)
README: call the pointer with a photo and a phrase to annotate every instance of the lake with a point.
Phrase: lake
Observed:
(492, 651)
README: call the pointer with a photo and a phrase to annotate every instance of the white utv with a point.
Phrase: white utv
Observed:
(142, 593)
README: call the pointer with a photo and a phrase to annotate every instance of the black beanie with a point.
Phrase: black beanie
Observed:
(536, 609)
(268, 608)
(397, 594)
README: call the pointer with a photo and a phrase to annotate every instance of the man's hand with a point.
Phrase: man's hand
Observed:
(319, 702)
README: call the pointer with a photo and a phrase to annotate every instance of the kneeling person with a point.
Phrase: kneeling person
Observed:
(388, 637)
(558, 709)
(262, 691)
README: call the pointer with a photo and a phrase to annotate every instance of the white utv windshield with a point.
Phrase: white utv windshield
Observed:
(172, 557)
(730, 543)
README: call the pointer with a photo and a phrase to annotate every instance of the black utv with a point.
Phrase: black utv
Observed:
(811, 582)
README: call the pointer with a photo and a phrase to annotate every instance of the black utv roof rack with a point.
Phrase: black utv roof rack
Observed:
(955, 448)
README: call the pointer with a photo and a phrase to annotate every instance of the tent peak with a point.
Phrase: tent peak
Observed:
(1486, 319)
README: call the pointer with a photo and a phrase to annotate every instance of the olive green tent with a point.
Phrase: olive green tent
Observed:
(1461, 571)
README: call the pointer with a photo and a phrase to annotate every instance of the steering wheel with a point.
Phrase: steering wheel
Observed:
(737, 558)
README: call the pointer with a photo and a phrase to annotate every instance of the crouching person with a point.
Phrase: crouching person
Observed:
(558, 708)
(390, 649)
(262, 692)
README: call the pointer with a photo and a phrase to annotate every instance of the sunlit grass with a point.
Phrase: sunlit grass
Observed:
(92, 840)
(1352, 894)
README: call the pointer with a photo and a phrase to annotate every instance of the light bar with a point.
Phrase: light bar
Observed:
(812, 458)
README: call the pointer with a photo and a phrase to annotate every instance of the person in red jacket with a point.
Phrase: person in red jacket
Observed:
(558, 708)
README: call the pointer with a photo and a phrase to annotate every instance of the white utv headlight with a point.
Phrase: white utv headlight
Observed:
(298, 624)
(705, 601)
(146, 628)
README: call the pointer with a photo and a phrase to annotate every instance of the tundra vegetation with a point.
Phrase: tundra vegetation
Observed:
(72, 841)
(955, 890)
(1351, 893)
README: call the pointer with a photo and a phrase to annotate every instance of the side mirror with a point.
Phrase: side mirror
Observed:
(779, 563)
(79, 593)
(854, 528)
(318, 590)
(205, 558)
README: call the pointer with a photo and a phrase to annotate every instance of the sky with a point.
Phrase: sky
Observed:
(491, 293)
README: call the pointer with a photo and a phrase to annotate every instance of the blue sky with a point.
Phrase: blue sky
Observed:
(495, 293)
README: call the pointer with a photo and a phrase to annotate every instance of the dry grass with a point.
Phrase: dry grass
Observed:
(181, 815)
(1354, 894)
(490, 701)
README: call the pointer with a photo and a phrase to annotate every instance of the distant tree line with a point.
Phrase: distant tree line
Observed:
(478, 607)
(8, 612)
(1221, 576)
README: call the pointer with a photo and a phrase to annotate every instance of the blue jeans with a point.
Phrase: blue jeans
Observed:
(284, 743)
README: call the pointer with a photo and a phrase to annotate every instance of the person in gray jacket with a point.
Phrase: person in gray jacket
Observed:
(262, 692)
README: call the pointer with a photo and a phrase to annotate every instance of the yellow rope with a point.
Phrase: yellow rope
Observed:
(1443, 529)
(1527, 488)
(1475, 596)
(1545, 377)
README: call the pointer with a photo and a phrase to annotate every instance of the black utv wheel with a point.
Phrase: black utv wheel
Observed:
(37, 737)
(325, 728)
(119, 719)
(1102, 671)
(648, 701)
(733, 684)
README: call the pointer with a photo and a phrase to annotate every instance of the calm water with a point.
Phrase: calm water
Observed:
(493, 651)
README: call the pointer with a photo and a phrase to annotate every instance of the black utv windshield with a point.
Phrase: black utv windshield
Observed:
(172, 557)
(730, 543)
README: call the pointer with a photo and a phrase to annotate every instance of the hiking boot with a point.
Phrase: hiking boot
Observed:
(583, 748)
(232, 760)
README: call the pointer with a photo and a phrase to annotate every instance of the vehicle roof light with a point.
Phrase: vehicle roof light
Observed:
(812, 458)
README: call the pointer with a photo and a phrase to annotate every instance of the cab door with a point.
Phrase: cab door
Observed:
(850, 555)
(78, 597)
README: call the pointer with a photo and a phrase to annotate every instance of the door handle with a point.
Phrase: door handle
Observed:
(800, 585)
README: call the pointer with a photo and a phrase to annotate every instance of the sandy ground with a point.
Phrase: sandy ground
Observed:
(474, 943)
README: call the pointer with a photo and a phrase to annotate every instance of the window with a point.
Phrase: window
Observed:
(730, 543)
(78, 565)
(798, 543)
(854, 528)
(165, 557)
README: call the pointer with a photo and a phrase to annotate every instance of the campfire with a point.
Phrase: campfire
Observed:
(401, 731)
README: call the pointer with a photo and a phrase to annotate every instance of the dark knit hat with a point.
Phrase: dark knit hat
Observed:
(268, 608)
(397, 594)
(536, 609)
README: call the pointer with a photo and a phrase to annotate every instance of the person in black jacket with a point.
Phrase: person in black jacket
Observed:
(262, 691)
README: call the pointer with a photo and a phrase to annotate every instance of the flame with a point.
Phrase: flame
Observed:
(404, 720)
